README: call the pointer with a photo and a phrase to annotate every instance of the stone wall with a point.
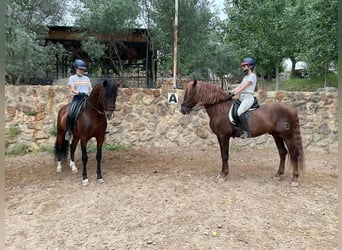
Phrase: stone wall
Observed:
(144, 117)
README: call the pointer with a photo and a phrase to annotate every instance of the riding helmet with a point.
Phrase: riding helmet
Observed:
(248, 61)
(79, 64)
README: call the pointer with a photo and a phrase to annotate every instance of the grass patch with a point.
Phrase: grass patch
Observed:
(91, 147)
(53, 130)
(17, 149)
(12, 130)
(45, 148)
(303, 84)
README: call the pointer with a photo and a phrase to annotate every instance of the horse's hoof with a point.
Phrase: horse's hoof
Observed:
(59, 170)
(294, 184)
(85, 182)
(74, 170)
(220, 179)
(100, 181)
(279, 176)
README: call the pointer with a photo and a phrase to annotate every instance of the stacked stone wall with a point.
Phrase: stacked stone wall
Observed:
(143, 117)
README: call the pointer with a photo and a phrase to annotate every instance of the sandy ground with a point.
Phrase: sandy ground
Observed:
(168, 198)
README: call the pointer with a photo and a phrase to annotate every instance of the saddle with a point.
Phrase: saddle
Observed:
(76, 108)
(233, 117)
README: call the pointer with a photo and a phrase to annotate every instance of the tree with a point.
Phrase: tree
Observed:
(320, 33)
(27, 55)
(196, 21)
(102, 20)
(266, 30)
(275, 29)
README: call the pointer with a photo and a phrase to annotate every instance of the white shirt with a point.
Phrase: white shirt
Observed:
(82, 84)
(249, 78)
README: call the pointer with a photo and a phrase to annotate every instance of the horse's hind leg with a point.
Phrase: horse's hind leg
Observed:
(61, 148)
(294, 156)
(282, 154)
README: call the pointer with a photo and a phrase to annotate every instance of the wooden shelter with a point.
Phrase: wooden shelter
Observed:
(134, 55)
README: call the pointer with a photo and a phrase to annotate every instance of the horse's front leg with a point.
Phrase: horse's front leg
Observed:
(98, 159)
(224, 149)
(85, 180)
(72, 164)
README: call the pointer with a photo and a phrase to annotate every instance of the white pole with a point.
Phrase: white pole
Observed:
(175, 39)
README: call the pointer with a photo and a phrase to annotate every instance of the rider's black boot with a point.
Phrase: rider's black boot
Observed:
(244, 124)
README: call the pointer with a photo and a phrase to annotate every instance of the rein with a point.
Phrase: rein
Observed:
(200, 106)
(91, 105)
(228, 98)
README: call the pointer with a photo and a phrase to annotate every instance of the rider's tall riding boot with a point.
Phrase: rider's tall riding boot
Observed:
(244, 124)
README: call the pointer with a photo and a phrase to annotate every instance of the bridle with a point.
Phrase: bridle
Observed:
(99, 111)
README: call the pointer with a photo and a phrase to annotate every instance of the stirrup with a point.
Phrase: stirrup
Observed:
(245, 135)
(68, 136)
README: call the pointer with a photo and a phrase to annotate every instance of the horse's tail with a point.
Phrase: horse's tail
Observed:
(61, 151)
(298, 153)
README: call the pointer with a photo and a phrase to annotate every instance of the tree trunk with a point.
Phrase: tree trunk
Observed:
(325, 74)
(277, 76)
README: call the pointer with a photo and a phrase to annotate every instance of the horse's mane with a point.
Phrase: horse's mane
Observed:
(206, 93)
(98, 86)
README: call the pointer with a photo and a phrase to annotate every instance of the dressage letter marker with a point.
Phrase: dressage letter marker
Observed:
(172, 98)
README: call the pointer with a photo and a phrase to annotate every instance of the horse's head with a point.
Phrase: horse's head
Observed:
(189, 100)
(109, 94)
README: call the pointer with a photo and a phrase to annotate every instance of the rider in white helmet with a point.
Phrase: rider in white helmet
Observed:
(246, 90)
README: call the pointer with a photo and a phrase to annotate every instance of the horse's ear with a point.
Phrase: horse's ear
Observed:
(118, 84)
(105, 82)
(194, 84)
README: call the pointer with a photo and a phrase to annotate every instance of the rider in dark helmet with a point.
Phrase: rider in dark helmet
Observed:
(246, 90)
(80, 87)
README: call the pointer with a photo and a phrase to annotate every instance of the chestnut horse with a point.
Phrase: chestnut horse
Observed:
(91, 122)
(278, 119)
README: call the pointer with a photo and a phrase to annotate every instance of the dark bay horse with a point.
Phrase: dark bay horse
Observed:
(278, 119)
(92, 122)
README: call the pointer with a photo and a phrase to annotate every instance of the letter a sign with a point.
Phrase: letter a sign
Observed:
(172, 98)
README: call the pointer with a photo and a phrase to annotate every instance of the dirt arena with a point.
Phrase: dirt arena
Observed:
(168, 198)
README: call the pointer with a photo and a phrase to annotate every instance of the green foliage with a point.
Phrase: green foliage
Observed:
(304, 84)
(274, 29)
(195, 25)
(53, 130)
(105, 18)
(320, 34)
(94, 48)
(17, 149)
(268, 30)
(12, 130)
(27, 55)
